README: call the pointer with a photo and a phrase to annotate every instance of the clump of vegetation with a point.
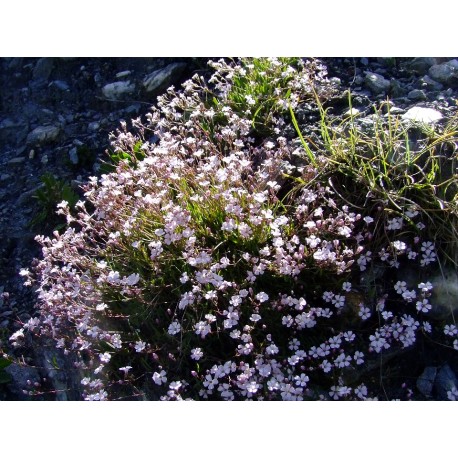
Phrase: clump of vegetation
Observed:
(48, 196)
(230, 262)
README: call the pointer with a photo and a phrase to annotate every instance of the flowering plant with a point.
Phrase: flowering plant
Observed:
(222, 263)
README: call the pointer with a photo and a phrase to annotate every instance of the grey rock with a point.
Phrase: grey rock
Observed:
(61, 85)
(417, 95)
(377, 83)
(162, 77)
(93, 126)
(123, 74)
(118, 90)
(425, 382)
(444, 298)
(446, 73)
(445, 381)
(421, 65)
(428, 83)
(364, 60)
(423, 115)
(73, 155)
(43, 134)
(43, 69)
(16, 161)
(23, 378)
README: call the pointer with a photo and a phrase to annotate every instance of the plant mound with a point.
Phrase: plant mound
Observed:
(223, 258)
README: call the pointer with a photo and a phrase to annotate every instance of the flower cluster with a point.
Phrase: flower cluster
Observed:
(202, 272)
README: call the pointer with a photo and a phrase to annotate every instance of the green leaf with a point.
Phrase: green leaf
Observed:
(4, 363)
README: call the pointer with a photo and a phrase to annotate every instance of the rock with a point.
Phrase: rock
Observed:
(61, 85)
(43, 69)
(424, 115)
(421, 65)
(123, 74)
(43, 134)
(352, 112)
(163, 77)
(425, 382)
(417, 95)
(377, 83)
(73, 156)
(446, 73)
(23, 379)
(444, 298)
(118, 90)
(428, 83)
(16, 161)
(445, 381)
(93, 126)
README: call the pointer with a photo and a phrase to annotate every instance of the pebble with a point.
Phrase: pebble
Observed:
(43, 134)
(118, 90)
(73, 155)
(62, 85)
(123, 74)
(16, 161)
(93, 126)
(377, 83)
(156, 79)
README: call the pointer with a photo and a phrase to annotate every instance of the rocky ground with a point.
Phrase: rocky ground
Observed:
(55, 116)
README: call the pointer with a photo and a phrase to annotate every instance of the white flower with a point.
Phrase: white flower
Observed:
(140, 346)
(399, 246)
(346, 286)
(174, 328)
(196, 353)
(131, 280)
(105, 357)
(450, 330)
(159, 378)
(262, 296)
(255, 317)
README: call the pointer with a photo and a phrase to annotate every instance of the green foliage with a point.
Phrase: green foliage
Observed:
(4, 376)
(261, 90)
(115, 157)
(379, 163)
(48, 196)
